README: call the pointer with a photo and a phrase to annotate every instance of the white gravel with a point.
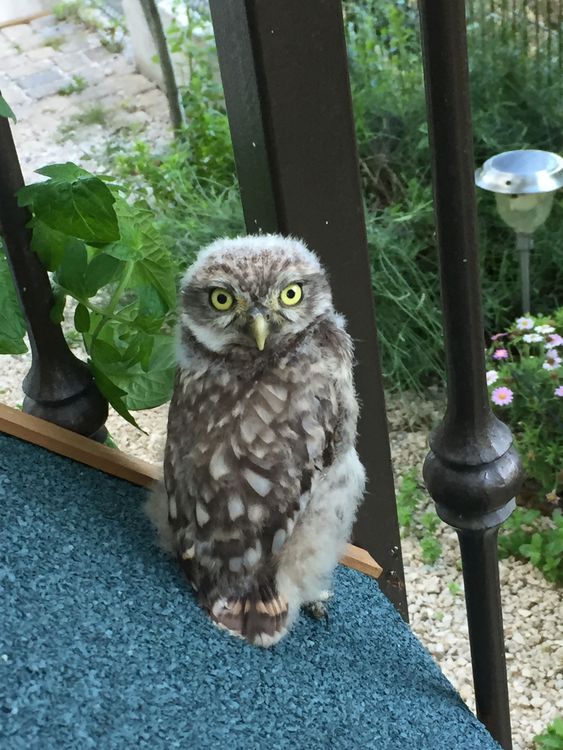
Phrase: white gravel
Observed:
(532, 607)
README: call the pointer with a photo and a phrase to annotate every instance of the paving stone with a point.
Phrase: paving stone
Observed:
(23, 36)
(44, 83)
(41, 53)
(99, 54)
(71, 62)
(14, 95)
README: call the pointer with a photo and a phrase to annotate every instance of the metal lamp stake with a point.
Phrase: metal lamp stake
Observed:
(524, 183)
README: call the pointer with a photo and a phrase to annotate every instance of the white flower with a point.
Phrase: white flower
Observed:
(552, 360)
(524, 324)
(532, 338)
(545, 329)
(492, 377)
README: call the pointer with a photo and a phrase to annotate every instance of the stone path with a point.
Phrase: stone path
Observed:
(109, 99)
(117, 105)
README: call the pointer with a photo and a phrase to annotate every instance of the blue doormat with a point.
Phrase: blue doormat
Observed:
(102, 645)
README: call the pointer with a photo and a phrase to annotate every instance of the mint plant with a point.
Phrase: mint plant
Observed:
(107, 256)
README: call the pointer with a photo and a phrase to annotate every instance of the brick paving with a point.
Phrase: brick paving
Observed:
(40, 58)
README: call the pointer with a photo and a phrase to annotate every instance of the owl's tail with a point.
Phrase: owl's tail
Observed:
(260, 617)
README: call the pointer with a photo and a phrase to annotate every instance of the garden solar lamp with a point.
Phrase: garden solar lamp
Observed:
(524, 183)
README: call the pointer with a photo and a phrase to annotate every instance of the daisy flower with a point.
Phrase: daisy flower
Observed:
(559, 391)
(524, 324)
(492, 377)
(552, 360)
(545, 329)
(502, 396)
(532, 338)
(501, 354)
(554, 340)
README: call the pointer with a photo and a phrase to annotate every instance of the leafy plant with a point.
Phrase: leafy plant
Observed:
(107, 256)
(552, 738)
(522, 536)
(423, 525)
(6, 110)
(526, 388)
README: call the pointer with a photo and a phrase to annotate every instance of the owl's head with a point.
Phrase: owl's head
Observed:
(255, 292)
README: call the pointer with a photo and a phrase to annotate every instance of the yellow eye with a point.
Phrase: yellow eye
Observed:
(221, 299)
(291, 295)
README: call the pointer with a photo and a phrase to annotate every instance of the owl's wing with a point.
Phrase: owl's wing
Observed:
(291, 431)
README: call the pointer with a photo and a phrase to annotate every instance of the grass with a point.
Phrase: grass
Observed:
(77, 85)
(93, 115)
(56, 41)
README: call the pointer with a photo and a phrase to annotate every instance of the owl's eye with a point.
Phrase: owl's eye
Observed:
(292, 294)
(221, 299)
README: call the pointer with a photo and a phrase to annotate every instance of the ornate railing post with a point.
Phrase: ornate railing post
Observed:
(58, 387)
(472, 471)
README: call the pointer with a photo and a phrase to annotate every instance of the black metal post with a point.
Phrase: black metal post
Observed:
(58, 387)
(472, 471)
(285, 76)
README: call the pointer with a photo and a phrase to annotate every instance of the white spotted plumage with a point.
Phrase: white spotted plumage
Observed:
(261, 472)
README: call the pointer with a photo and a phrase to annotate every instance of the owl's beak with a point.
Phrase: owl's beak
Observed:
(259, 328)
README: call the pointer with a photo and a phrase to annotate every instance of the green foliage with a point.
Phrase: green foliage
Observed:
(524, 537)
(410, 499)
(524, 369)
(107, 255)
(12, 325)
(552, 738)
(77, 85)
(454, 588)
(5, 109)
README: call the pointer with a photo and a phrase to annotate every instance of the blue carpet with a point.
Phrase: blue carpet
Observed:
(102, 646)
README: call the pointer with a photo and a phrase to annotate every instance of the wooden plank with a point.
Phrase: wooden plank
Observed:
(24, 19)
(118, 464)
(79, 448)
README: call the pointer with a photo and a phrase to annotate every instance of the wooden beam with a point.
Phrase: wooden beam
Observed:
(118, 464)
(24, 19)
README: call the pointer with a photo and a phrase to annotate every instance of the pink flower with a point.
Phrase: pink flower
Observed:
(501, 354)
(502, 396)
(498, 336)
(555, 340)
(559, 391)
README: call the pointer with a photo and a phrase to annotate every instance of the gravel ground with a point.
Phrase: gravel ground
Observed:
(133, 108)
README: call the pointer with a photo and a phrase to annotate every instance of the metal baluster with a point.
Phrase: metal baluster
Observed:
(472, 471)
(58, 387)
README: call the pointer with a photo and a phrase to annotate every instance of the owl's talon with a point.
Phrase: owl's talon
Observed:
(317, 610)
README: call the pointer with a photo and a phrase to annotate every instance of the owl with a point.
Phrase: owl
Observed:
(261, 475)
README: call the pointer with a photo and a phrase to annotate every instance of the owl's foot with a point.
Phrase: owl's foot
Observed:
(319, 608)
(259, 617)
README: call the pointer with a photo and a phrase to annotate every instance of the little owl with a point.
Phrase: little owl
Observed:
(261, 474)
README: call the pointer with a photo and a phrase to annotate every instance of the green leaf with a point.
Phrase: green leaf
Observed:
(79, 205)
(48, 244)
(102, 269)
(12, 323)
(58, 308)
(153, 387)
(112, 393)
(81, 318)
(141, 241)
(6, 110)
(72, 270)
(66, 171)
